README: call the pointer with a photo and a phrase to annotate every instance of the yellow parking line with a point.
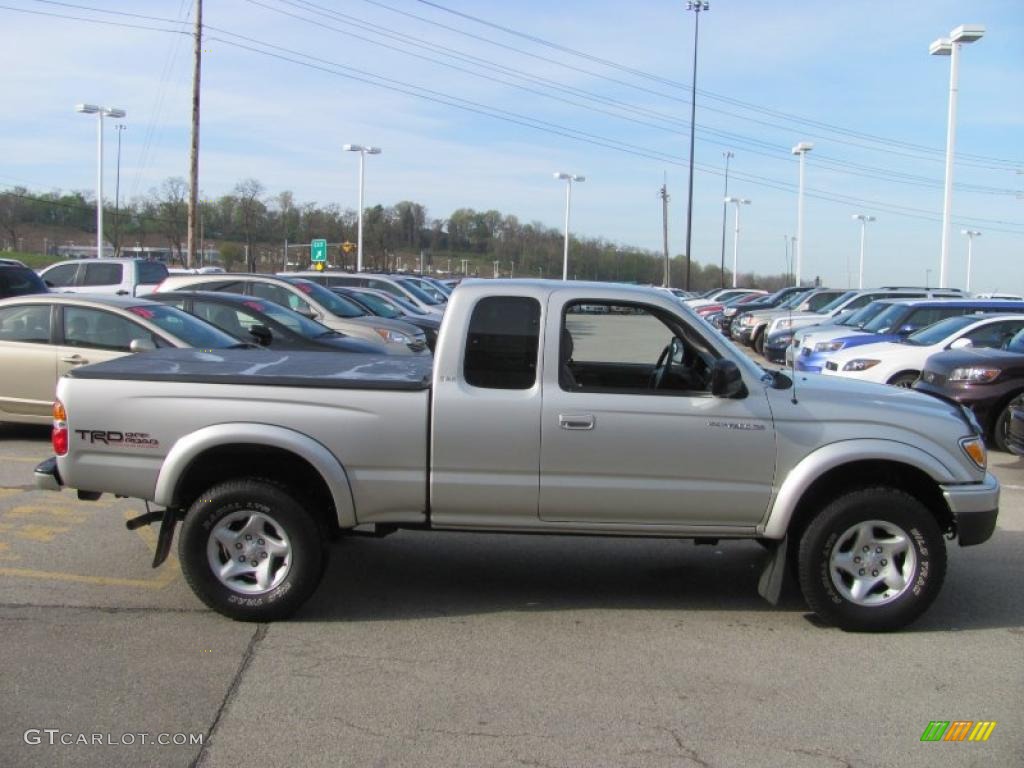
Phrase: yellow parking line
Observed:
(23, 459)
(103, 581)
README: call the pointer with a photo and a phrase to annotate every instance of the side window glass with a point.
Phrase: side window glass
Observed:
(627, 348)
(61, 276)
(270, 292)
(996, 335)
(501, 346)
(382, 285)
(224, 317)
(97, 329)
(151, 272)
(102, 274)
(26, 323)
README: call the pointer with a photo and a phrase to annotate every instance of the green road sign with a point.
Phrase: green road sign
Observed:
(318, 251)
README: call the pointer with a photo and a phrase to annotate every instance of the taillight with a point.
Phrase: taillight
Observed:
(60, 429)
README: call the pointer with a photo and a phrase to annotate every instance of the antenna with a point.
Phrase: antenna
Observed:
(793, 367)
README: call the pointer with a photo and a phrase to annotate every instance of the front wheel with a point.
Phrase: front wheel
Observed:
(1001, 428)
(250, 551)
(873, 560)
(904, 380)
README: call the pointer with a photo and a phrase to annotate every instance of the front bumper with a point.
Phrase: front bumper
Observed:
(975, 507)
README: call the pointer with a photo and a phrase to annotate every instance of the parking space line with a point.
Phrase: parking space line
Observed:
(23, 459)
(103, 581)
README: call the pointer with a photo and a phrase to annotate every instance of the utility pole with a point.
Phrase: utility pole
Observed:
(663, 193)
(725, 194)
(193, 192)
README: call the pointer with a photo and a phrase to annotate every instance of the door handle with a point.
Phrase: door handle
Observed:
(74, 359)
(575, 421)
(123, 292)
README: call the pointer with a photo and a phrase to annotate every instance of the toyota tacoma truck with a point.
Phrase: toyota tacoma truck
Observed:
(551, 408)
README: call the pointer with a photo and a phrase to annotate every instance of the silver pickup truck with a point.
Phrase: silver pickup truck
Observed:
(561, 408)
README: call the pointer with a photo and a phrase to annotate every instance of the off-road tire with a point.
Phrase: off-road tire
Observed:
(821, 559)
(287, 518)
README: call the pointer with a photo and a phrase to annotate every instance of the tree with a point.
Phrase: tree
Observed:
(251, 211)
(171, 204)
(13, 212)
(230, 254)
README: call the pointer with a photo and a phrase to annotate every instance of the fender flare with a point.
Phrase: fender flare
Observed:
(828, 457)
(189, 447)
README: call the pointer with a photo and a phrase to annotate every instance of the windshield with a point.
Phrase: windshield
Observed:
(793, 300)
(859, 318)
(185, 327)
(887, 320)
(293, 321)
(1016, 343)
(418, 292)
(429, 288)
(378, 305)
(17, 281)
(837, 302)
(329, 300)
(936, 333)
(406, 306)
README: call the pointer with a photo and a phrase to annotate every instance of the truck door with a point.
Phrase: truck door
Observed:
(630, 433)
(485, 431)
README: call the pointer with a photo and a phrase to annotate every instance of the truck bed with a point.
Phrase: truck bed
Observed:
(260, 367)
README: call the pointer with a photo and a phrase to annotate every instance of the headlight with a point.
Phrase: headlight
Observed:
(783, 338)
(974, 375)
(393, 337)
(974, 447)
(860, 365)
(828, 346)
(746, 320)
(784, 324)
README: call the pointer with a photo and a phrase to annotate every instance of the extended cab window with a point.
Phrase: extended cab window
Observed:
(102, 274)
(61, 275)
(28, 323)
(630, 349)
(501, 346)
(151, 272)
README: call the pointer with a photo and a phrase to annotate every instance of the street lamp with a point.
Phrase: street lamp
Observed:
(800, 149)
(863, 227)
(696, 6)
(736, 235)
(971, 234)
(725, 206)
(568, 178)
(950, 46)
(363, 152)
(100, 112)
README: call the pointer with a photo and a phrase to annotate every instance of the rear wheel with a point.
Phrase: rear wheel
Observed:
(250, 551)
(872, 560)
(758, 344)
(1001, 428)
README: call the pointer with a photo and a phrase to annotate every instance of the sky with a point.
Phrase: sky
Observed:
(476, 104)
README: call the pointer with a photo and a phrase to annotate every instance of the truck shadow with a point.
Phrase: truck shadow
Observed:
(413, 575)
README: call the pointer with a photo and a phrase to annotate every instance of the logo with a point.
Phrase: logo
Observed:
(109, 437)
(958, 730)
(743, 426)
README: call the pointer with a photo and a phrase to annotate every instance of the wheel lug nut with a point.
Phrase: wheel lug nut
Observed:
(241, 558)
(254, 563)
(867, 549)
(248, 537)
(238, 545)
(856, 559)
(263, 555)
(874, 573)
(884, 561)
(861, 571)
(878, 550)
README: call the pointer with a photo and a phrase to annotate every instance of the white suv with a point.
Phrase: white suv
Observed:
(120, 277)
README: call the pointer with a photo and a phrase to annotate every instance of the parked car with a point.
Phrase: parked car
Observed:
(783, 346)
(524, 422)
(898, 320)
(258, 321)
(722, 295)
(900, 362)
(391, 284)
(764, 302)
(119, 277)
(380, 304)
(312, 300)
(5, 262)
(18, 280)
(752, 325)
(989, 381)
(43, 336)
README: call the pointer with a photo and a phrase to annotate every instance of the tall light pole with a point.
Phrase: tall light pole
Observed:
(725, 205)
(696, 7)
(950, 46)
(738, 201)
(117, 192)
(863, 227)
(568, 178)
(800, 149)
(363, 152)
(971, 234)
(100, 112)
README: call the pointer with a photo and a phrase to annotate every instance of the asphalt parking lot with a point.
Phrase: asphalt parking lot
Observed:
(476, 650)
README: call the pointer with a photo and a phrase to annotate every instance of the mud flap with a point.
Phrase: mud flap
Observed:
(775, 572)
(168, 521)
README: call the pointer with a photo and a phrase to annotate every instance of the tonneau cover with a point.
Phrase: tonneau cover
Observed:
(260, 367)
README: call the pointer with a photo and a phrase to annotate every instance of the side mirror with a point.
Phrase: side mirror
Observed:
(726, 380)
(262, 334)
(141, 345)
(906, 330)
(962, 343)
